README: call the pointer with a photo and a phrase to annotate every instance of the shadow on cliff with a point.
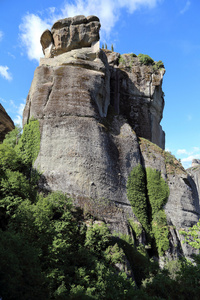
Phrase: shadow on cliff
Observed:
(129, 102)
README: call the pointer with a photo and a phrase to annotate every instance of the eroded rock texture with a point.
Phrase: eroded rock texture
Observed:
(194, 171)
(70, 33)
(6, 123)
(92, 106)
(182, 208)
(136, 93)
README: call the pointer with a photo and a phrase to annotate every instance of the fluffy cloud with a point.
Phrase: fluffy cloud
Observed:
(5, 73)
(188, 156)
(108, 11)
(181, 151)
(30, 31)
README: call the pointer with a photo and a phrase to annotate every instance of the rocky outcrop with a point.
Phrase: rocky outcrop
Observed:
(136, 93)
(182, 208)
(6, 123)
(70, 33)
(92, 106)
(194, 172)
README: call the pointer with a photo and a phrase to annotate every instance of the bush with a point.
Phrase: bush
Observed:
(122, 60)
(158, 65)
(29, 143)
(136, 193)
(145, 59)
(158, 190)
(160, 231)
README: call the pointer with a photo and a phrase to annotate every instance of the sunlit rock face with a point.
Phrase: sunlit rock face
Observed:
(70, 33)
(6, 123)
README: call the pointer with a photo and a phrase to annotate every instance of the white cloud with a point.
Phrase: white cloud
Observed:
(20, 109)
(187, 5)
(5, 73)
(1, 35)
(2, 100)
(31, 29)
(196, 149)
(182, 151)
(108, 11)
(187, 162)
(11, 55)
(18, 120)
(189, 156)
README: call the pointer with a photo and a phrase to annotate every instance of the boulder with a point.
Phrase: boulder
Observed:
(70, 33)
(6, 123)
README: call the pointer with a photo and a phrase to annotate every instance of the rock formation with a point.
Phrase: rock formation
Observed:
(194, 171)
(92, 106)
(70, 33)
(6, 123)
(136, 93)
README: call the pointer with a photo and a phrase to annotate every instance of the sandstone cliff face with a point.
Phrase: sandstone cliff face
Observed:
(194, 171)
(6, 123)
(70, 33)
(136, 93)
(182, 208)
(92, 106)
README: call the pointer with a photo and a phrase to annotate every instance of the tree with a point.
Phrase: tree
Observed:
(192, 236)
(136, 193)
(12, 138)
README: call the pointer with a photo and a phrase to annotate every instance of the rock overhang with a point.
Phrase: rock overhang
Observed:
(69, 34)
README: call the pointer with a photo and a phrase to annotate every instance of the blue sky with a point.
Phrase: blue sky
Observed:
(167, 30)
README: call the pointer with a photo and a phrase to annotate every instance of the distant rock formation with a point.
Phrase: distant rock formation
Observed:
(194, 171)
(6, 123)
(92, 106)
(195, 163)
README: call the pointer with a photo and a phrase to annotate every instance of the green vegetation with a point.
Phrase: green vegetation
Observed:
(160, 231)
(158, 65)
(133, 55)
(148, 193)
(136, 227)
(158, 190)
(158, 193)
(136, 193)
(48, 252)
(29, 144)
(192, 236)
(145, 59)
(121, 60)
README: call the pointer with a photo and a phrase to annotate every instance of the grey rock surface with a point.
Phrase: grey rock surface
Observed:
(194, 172)
(182, 208)
(70, 33)
(136, 93)
(6, 123)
